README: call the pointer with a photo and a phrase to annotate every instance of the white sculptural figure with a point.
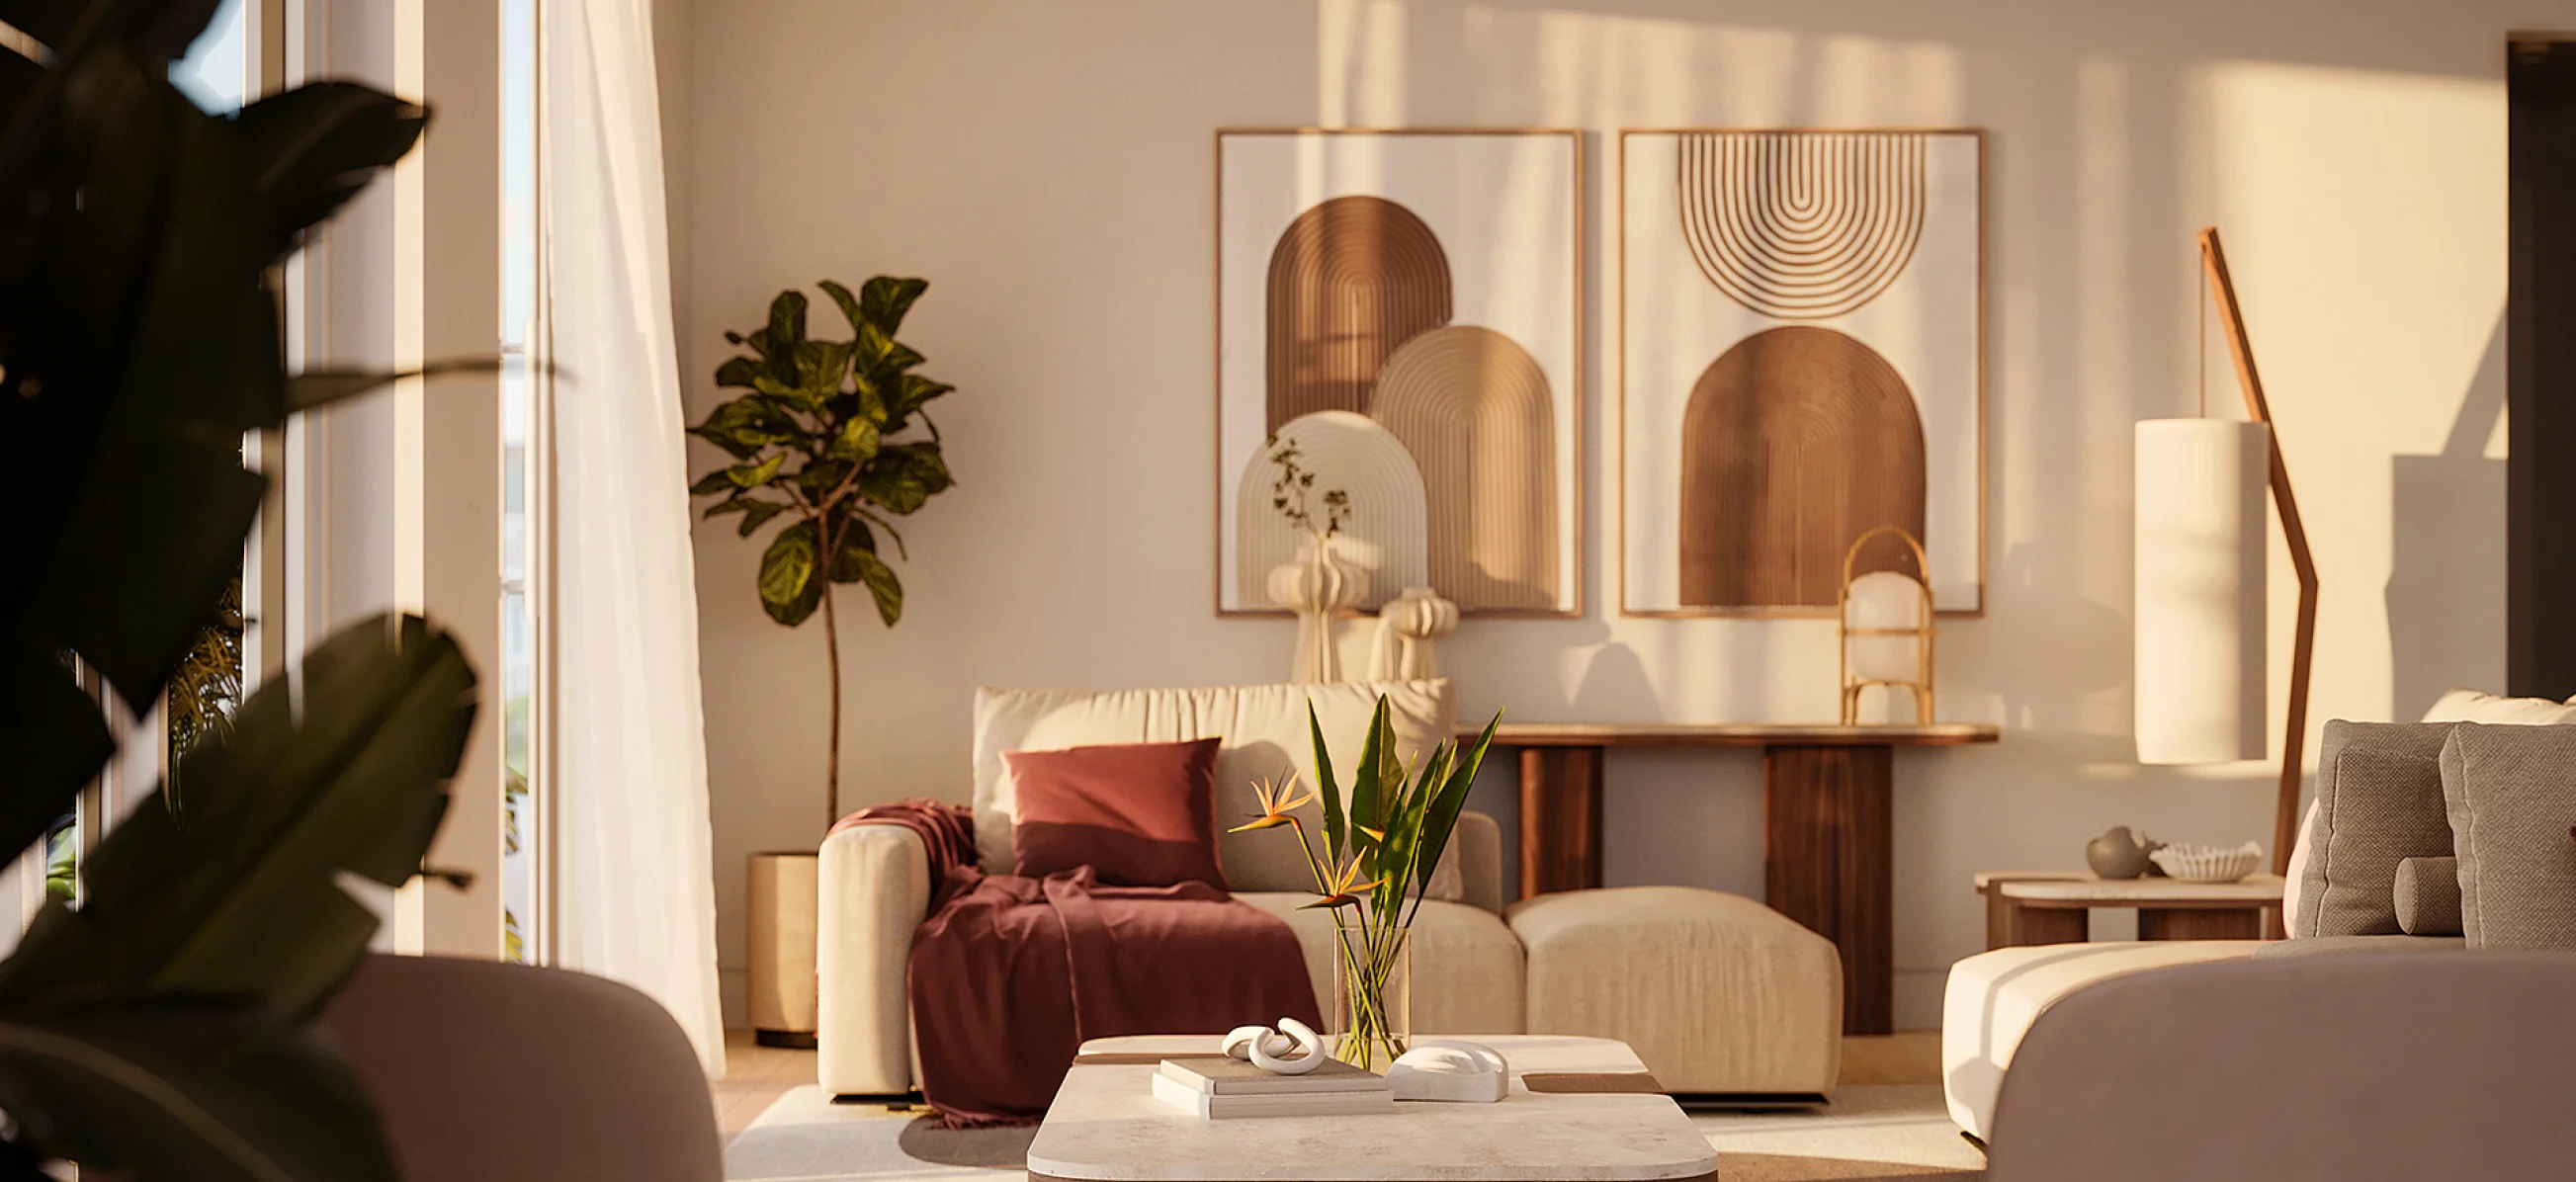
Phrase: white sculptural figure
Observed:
(1293, 1049)
(1317, 586)
(1450, 1070)
(1406, 628)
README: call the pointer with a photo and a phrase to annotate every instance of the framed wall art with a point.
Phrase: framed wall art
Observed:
(1403, 308)
(1802, 361)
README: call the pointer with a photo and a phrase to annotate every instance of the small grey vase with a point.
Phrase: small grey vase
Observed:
(2118, 853)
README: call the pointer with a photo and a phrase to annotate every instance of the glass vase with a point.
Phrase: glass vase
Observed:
(1371, 1017)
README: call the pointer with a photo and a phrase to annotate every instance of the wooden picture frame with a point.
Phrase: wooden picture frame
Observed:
(1466, 248)
(1762, 319)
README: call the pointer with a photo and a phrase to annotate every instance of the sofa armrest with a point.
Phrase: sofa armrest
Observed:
(1479, 841)
(875, 888)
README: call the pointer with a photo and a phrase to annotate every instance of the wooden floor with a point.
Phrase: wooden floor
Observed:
(755, 1076)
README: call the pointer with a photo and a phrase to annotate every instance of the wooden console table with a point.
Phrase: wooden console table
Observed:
(1826, 842)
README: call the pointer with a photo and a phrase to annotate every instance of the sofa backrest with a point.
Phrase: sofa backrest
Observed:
(1264, 735)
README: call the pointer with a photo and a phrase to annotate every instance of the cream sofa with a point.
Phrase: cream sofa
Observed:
(1717, 993)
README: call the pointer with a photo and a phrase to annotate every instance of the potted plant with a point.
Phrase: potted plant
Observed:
(819, 441)
(814, 441)
(1378, 857)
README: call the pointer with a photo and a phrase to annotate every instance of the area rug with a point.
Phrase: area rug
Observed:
(1868, 1134)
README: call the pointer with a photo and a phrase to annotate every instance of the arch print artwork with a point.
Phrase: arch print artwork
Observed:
(1406, 307)
(1801, 347)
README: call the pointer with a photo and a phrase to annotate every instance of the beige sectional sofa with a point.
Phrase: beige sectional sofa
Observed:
(1717, 993)
(2387, 851)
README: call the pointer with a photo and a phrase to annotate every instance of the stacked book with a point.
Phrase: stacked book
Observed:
(1214, 1087)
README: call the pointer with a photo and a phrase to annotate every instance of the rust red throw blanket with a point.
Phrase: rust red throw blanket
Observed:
(1010, 975)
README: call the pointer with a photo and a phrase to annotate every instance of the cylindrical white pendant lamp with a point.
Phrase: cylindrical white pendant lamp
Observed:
(2200, 593)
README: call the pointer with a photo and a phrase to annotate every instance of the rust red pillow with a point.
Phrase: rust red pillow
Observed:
(1138, 814)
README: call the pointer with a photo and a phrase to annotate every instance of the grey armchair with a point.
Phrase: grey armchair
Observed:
(2361, 1065)
(505, 1073)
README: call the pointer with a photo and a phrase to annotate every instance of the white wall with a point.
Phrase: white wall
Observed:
(1048, 166)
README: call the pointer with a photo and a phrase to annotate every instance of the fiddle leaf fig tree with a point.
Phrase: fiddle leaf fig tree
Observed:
(818, 440)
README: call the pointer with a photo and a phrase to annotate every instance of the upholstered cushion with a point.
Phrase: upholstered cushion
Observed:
(1993, 997)
(1263, 735)
(2379, 802)
(1138, 814)
(1466, 967)
(2511, 791)
(2330, 945)
(2428, 896)
(1717, 993)
(2468, 705)
(2295, 875)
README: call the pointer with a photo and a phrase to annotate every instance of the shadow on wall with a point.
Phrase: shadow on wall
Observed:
(2433, 644)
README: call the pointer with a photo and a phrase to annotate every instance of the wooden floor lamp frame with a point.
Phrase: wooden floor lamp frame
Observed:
(2285, 814)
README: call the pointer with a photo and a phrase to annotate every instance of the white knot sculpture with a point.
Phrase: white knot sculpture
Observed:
(1293, 1049)
(1317, 586)
(1450, 1070)
(1406, 628)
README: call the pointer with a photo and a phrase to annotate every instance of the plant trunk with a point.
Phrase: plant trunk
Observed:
(832, 771)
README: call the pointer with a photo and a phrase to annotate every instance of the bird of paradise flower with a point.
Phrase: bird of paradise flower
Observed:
(1380, 849)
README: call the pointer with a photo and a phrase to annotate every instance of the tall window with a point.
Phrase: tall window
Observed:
(521, 400)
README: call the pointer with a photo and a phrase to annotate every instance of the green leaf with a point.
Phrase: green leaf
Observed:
(857, 440)
(316, 388)
(737, 373)
(1441, 822)
(165, 1086)
(856, 542)
(310, 149)
(881, 581)
(1375, 755)
(749, 476)
(1325, 789)
(789, 590)
(341, 769)
(905, 476)
(785, 332)
(745, 426)
(849, 304)
(885, 300)
(756, 515)
(912, 392)
(822, 366)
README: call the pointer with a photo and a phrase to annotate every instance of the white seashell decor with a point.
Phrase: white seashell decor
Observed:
(2185, 862)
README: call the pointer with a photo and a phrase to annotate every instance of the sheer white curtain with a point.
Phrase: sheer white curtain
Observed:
(634, 888)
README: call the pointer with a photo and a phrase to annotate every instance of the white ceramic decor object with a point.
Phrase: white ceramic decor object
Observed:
(1451, 1071)
(2201, 541)
(1318, 586)
(1387, 536)
(2184, 862)
(1406, 628)
(1239, 1042)
(1308, 1053)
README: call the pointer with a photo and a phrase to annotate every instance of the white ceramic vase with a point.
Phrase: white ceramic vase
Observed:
(1317, 586)
(1406, 628)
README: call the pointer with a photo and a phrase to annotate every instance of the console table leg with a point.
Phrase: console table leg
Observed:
(1560, 819)
(1827, 849)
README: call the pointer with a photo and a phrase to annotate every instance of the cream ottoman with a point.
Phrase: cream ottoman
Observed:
(1718, 994)
(1993, 997)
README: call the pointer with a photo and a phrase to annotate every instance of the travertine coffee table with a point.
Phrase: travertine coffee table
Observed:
(1580, 1110)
